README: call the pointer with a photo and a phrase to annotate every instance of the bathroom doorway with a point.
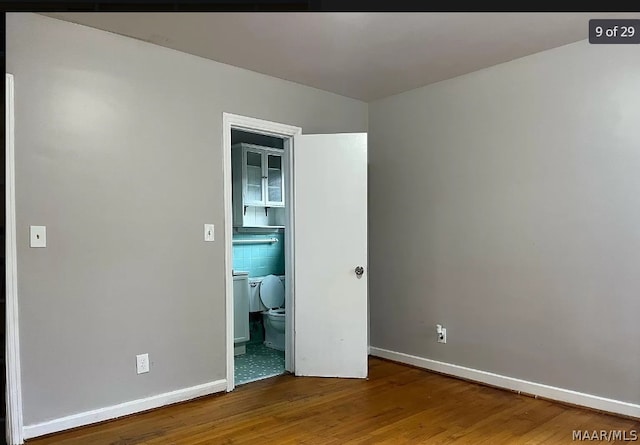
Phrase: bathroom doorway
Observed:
(258, 255)
(324, 187)
(258, 204)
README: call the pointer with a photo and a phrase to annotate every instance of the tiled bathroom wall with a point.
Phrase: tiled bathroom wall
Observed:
(259, 259)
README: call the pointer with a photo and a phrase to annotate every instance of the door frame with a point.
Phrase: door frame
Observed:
(234, 121)
(14, 422)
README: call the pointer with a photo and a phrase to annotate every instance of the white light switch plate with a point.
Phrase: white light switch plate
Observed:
(38, 236)
(142, 363)
(209, 232)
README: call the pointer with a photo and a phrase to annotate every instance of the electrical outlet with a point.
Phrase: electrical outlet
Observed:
(442, 333)
(142, 363)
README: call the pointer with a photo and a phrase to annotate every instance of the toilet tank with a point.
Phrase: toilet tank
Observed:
(255, 304)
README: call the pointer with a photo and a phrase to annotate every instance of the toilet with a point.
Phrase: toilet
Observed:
(272, 298)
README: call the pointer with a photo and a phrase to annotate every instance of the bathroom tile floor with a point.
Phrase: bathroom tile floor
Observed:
(259, 362)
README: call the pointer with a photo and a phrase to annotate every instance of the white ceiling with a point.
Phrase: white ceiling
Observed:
(361, 55)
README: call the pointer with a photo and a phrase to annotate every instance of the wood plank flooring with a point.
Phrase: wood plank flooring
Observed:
(396, 405)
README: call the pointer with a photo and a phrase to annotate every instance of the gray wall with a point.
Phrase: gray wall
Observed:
(118, 153)
(505, 204)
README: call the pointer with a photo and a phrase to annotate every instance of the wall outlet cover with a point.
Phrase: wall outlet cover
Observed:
(142, 363)
(442, 335)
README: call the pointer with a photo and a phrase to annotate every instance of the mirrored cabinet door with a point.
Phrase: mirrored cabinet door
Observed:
(275, 180)
(253, 164)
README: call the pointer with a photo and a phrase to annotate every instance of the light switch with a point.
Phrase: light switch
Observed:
(38, 236)
(208, 232)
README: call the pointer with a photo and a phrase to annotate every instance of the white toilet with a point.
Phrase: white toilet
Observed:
(272, 297)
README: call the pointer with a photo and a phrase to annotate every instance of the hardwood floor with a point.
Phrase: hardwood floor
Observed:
(396, 405)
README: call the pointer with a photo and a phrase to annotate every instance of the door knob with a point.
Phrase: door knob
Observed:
(359, 271)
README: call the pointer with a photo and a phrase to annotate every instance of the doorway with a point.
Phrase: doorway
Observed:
(258, 192)
(259, 227)
(325, 243)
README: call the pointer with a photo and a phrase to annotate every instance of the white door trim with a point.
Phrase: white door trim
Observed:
(254, 125)
(14, 433)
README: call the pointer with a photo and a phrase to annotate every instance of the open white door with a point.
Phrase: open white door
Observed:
(330, 183)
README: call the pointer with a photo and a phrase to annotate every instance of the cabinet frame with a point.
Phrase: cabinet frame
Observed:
(245, 211)
(245, 176)
(264, 152)
(279, 154)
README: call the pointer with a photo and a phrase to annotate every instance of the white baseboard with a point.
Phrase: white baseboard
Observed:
(123, 409)
(513, 384)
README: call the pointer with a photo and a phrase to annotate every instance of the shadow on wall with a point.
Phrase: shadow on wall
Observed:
(257, 139)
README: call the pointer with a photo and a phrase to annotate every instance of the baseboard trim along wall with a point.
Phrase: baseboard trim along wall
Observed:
(513, 384)
(123, 409)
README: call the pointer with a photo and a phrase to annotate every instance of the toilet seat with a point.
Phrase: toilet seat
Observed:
(276, 312)
(272, 292)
